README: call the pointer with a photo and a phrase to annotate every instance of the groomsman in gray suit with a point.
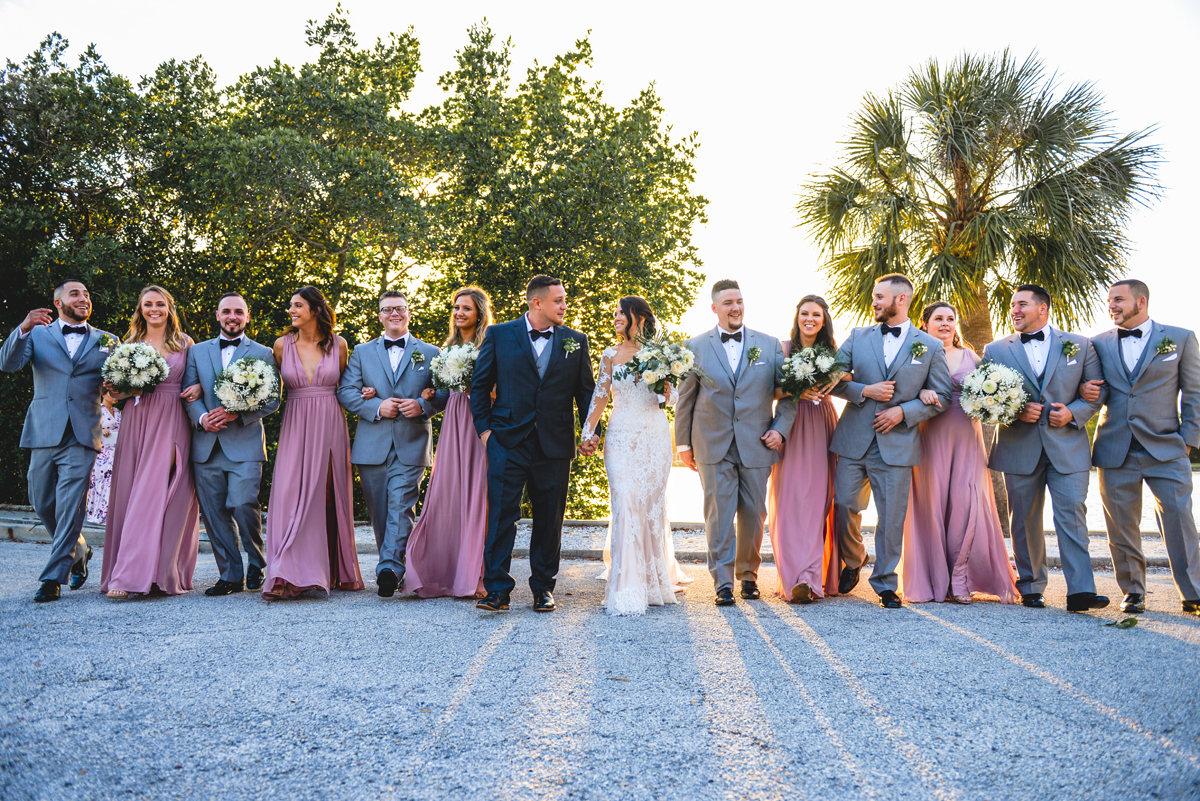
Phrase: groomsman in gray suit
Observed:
(1047, 447)
(228, 451)
(62, 425)
(1151, 418)
(727, 432)
(877, 439)
(393, 443)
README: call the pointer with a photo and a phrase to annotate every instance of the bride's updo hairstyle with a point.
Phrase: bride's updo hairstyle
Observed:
(641, 318)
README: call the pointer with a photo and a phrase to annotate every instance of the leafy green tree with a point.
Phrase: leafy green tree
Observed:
(974, 178)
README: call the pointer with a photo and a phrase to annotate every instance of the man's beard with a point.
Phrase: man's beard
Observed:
(887, 314)
(232, 334)
(69, 314)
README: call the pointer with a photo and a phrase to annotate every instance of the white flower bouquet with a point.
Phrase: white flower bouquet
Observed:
(807, 368)
(993, 394)
(661, 360)
(453, 368)
(134, 367)
(247, 385)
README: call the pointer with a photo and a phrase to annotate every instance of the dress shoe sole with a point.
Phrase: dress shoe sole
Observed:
(387, 585)
(802, 594)
(1132, 609)
(724, 602)
(489, 608)
(254, 585)
(542, 608)
(45, 599)
(213, 592)
(750, 596)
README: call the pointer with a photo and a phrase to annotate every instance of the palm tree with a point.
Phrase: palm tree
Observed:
(976, 178)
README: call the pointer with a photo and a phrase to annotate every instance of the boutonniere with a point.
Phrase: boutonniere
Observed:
(754, 353)
(570, 345)
(417, 357)
(918, 349)
(107, 342)
(1165, 345)
(1069, 348)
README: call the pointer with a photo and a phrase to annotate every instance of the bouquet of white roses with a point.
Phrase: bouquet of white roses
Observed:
(453, 368)
(247, 385)
(661, 360)
(993, 394)
(134, 367)
(807, 368)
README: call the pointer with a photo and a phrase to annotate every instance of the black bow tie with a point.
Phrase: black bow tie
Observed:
(1039, 336)
(534, 336)
(74, 329)
(736, 337)
(1129, 332)
(393, 343)
(230, 343)
(886, 329)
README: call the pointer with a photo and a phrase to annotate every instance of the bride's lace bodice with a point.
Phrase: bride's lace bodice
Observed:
(633, 404)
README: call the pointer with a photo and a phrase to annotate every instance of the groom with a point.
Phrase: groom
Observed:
(727, 433)
(538, 368)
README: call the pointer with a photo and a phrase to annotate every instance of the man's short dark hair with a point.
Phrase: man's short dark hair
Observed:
(722, 285)
(59, 289)
(392, 293)
(233, 295)
(897, 279)
(1136, 287)
(1040, 295)
(539, 284)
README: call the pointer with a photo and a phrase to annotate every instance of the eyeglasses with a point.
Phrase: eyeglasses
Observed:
(387, 311)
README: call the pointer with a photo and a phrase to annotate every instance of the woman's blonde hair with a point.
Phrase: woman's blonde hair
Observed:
(483, 316)
(174, 339)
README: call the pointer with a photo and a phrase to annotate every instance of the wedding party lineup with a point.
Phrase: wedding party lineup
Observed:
(149, 431)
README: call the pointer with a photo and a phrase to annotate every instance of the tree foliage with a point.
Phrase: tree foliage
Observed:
(974, 178)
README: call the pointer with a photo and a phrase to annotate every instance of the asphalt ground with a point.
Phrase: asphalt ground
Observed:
(358, 697)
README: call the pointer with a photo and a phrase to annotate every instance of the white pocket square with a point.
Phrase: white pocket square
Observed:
(1171, 358)
(1073, 361)
(106, 350)
(915, 360)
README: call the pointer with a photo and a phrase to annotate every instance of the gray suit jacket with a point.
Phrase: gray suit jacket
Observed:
(1019, 445)
(709, 419)
(1160, 404)
(862, 352)
(243, 439)
(64, 389)
(369, 366)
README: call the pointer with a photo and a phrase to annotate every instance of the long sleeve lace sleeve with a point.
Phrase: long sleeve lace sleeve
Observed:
(599, 396)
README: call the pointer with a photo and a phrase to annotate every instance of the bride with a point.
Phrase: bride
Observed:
(640, 552)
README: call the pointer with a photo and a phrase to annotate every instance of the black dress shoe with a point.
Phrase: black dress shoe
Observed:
(724, 596)
(79, 571)
(848, 580)
(750, 590)
(889, 600)
(1133, 603)
(387, 582)
(1033, 600)
(1082, 601)
(1191, 607)
(543, 601)
(254, 578)
(47, 592)
(493, 601)
(223, 587)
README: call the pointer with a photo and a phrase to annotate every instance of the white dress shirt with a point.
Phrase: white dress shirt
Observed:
(394, 354)
(733, 348)
(1037, 350)
(1132, 347)
(891, 344)
(541, 343)
(227, 353)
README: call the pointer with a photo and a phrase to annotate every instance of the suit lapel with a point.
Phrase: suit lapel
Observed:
(745, 362)
(1053, 356)
(86, 344)
(1022, 360)
(524, 343)
(905, 351)
(1157, 332)
(385, 362)
(57, 334)
(214, 355)
(875, 345)
(714, 339)
(239, 351)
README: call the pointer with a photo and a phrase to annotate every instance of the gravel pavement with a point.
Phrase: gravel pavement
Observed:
(356, 697)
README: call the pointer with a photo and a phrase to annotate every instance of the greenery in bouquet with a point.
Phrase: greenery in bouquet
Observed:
(662, 359)
(453, 368)
(808, 368)
(993, 394)
(133, 368)
(247, 385)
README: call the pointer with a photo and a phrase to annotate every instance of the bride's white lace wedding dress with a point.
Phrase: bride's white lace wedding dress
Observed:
(639, 555)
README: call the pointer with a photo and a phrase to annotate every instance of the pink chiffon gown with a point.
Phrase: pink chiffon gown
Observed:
(310, 541)
(152, 534)
(445, 549)
(800, 504)
(953, 543)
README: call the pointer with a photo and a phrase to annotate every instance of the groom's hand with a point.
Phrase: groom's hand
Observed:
(773, 440)
(484, 437)
(888, 419)
(881, 392)
(689, 460)
(409, 407)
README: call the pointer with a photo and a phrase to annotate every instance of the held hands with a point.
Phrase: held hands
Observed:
(1060, 415)
(1031, 413)
(772, 439)
(887, 419)
(35, 318)
(930, 398)
(881, 392)
(588, 446)
(1090, 390)
(191, 394)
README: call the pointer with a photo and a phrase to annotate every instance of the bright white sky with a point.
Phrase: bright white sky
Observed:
(770, 88)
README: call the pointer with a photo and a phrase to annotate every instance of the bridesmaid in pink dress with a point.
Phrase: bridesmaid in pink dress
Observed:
(953, 543)
(152, 533)
(445, 549)
(310, 518)
(800, 510)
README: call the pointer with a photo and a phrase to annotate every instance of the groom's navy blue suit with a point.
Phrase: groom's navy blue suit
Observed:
(532, 443)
